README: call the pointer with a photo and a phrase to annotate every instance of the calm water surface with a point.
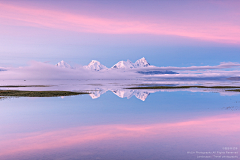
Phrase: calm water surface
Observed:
(167, 125)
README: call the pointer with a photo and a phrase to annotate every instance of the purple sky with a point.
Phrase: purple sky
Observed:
(167, 33)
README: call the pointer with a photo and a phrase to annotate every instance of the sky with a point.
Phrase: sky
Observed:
(167, 33)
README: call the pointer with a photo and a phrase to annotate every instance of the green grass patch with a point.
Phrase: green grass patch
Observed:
(234, 90)
(17, 93)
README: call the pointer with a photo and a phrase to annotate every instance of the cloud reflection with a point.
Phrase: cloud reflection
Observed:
(212, 128)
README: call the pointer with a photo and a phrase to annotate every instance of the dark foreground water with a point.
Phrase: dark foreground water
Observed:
(167, 125)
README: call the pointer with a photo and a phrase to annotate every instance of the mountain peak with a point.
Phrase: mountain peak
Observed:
(94, 62)
(63, 64)
(95, 65)
(141, 63)
(124, 64)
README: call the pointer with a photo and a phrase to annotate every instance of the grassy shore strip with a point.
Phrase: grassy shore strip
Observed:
(17, 93)
(234, 90)
(10, 86)
(184, 87)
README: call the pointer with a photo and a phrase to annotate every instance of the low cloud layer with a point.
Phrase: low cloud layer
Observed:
(39, 70)
(223, 65)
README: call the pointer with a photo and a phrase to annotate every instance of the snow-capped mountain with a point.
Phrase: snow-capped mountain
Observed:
(63, 64)
(124, 64)
(95, 66)
(128, 64)
(141, 63)
(141, 66)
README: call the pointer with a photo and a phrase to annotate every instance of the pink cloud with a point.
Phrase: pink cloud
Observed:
(217, 31)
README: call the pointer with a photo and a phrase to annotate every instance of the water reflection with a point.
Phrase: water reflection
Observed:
(162, 140)
(96, 88)
(170, 124)
(124, 93)
(142, 94)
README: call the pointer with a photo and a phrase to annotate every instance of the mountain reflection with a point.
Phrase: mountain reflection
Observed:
(142, 94)
(124, 93)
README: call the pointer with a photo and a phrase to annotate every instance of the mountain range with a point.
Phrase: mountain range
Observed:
(97, 66)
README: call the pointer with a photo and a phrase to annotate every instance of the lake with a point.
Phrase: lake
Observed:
(119, 124)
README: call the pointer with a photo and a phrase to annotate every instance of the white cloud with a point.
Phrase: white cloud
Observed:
(223, 65)
(39, 70)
